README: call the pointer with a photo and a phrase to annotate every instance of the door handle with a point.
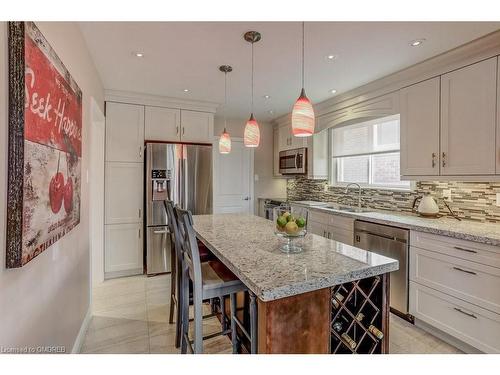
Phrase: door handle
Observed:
(160, 231)
(465, 313)
(464, 249)
(462, 270)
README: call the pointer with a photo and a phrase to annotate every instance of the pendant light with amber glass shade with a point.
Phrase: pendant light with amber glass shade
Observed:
(225, 139)
(251, 137)
(303, 112)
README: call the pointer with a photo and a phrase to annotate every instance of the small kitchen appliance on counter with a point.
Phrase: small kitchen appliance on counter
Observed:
(427, 206)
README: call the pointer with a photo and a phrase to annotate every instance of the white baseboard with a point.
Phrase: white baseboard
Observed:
(77, 346)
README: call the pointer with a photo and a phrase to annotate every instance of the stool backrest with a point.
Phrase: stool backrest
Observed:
(191, 253)
(173, 224)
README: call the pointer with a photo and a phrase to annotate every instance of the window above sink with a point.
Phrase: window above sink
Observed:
(367, 153)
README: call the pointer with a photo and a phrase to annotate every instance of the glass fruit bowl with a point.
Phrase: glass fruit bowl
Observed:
(290, 224)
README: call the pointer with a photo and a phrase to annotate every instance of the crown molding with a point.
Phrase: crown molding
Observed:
(477, 50)
(158, 101)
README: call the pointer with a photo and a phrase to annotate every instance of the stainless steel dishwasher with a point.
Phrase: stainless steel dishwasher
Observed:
(392, 242)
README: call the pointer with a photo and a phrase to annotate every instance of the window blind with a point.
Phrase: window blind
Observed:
(367, 138)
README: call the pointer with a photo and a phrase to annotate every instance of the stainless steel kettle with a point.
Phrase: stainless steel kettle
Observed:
(427, 206)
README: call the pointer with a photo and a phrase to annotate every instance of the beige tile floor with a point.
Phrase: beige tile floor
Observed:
(130, 315)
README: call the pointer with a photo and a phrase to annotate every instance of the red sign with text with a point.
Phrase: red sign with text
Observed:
(53, 111)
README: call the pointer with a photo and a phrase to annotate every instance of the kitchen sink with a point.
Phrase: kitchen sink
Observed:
(340, 207)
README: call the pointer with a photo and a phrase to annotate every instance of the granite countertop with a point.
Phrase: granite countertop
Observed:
(488, 233)
(247, 245)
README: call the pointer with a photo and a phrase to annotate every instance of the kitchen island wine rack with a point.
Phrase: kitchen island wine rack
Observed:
(360, 323)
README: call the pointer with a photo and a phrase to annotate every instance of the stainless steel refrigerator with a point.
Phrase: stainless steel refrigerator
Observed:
(183, 174)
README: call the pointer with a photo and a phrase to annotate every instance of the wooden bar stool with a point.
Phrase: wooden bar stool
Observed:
(210, 280)
(175, 279)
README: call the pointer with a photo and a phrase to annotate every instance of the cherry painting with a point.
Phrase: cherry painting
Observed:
(46, 160)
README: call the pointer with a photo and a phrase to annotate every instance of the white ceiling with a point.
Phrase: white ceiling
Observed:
(186, 55)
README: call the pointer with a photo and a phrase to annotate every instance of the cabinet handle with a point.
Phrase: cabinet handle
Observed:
(462, 270)
(433, 159)
(177, 130)
(324, 233)
(140, 213)
(444, 159)
(183, 130)
(140, 151)
(465, 313)
(329, 235)
(464, 249)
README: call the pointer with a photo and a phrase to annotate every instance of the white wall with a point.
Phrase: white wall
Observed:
(46, 301)
(267, 186)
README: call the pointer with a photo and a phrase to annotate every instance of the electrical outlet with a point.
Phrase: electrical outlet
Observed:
(498, 199)
(447, 194)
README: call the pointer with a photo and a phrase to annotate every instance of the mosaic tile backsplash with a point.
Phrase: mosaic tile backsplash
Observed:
(469, 200)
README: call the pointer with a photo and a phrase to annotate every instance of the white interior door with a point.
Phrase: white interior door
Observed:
(233, 187)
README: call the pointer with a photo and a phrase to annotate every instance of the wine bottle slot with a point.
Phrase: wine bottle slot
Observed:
(360, 317)
(338, 298)
(349, 341)
(376, 332)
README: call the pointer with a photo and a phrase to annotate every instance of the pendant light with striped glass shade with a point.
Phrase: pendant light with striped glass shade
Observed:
(251, 137)
(303, 112)
(225, 139)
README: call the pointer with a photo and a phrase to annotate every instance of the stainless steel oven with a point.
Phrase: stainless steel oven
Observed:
(293, 162)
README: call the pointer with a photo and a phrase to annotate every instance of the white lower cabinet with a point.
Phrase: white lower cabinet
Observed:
(473, 325)
(331, 226)
(473, 282)
(123, 254)
(454, 286)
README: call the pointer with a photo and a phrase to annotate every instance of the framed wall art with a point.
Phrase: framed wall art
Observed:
(45, 146)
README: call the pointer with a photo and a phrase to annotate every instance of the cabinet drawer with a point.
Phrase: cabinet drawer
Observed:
(331, 219)
(469, 250)
(472, 282)
(478, 327)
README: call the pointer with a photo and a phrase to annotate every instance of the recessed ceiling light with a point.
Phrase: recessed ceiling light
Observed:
(139, 54)
(332, 91)
(417, 42)
(331, 57)
(267, 96)
(186, 90)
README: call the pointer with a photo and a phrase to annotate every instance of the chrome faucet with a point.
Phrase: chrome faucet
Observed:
(359, 192)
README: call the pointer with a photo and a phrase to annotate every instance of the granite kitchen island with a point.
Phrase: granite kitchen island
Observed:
(330, 298)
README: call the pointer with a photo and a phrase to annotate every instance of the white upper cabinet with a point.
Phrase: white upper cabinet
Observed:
(162, 124)
(419, 119)
(124, 132)
(276, 151)
(468, 120)
(197, 127)
(123, 192)
(287, 141)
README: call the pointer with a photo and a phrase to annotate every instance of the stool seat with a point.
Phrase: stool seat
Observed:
(217, 276)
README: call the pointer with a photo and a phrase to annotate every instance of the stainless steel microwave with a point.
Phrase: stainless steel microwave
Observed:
(293, 162)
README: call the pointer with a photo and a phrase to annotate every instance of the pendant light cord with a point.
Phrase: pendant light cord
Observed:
(252, 77)
(225, 100)
(303, 33)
